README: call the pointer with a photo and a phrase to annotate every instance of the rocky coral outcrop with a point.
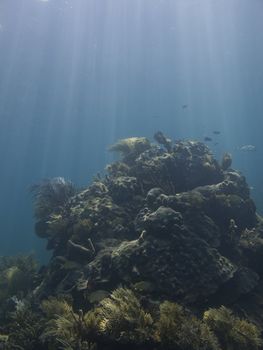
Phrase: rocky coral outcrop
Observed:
(167, 224)
(167, 220)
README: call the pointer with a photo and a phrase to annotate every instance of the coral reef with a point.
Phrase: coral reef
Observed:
(167, 235)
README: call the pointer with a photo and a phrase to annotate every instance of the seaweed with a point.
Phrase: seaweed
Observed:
(177, 329)
(17, 275)
(25, 330)
(67, 329)
(122, 318)
(233, 332)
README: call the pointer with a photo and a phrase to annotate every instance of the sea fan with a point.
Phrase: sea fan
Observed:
(51, 194)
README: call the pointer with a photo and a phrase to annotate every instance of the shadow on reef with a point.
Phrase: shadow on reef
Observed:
(168, 222)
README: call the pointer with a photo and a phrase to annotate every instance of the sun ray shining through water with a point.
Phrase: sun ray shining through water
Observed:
(78, 75)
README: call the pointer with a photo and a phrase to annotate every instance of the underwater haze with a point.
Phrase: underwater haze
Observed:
(77, 75)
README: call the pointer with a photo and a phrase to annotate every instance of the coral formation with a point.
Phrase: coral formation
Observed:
(131, 147)
(226, 161)
(162, 140)
(167, 235)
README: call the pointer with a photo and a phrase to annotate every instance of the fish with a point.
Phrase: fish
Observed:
(184, 106)
(207, 139)
(216, 132)
(247, 148)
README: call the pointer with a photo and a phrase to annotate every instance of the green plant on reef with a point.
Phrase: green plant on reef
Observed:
(131, 147)
(122, 318)
(233, 332)
(66, 329)
(25, 330)
(3, 340)
(17, 274)
(51, 194)
(176, 329)
(54, 307)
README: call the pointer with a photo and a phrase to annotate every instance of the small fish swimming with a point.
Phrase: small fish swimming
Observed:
(216, 132)
(247, 148)
(184, 106)
(207, 139)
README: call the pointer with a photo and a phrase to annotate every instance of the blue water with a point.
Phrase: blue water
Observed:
(77, 75)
